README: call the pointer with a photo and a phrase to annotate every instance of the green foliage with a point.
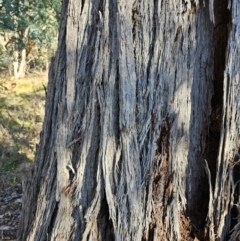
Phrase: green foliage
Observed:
(5, 58)
(10, 164)
(30, 25)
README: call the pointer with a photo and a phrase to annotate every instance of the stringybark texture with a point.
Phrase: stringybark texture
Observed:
(140, 139)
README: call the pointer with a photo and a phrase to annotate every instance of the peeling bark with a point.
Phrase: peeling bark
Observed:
(138, 92)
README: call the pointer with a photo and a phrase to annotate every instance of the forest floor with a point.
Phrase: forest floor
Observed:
(22, 106)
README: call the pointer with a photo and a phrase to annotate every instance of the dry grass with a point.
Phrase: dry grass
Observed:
(22, 105)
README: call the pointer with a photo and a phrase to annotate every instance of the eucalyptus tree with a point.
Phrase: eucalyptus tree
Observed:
(27, 26)
(141, 133)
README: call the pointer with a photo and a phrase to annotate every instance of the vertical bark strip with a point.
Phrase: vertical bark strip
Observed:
(134, 92)
(226, 196)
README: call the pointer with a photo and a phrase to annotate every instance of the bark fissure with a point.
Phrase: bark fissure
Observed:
(104, 222)
(153, 37)
(229, 139)
(222, 18)
(82, 5)
(162, 190)
(212, 133)
(52, 221)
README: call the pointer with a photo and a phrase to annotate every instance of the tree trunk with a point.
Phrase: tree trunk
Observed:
(19, 67)
(140, 139)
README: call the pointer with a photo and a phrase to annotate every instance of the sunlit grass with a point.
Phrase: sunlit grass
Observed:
(21, 118)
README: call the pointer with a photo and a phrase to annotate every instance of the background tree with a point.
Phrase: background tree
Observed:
(140, 138)
(28, 33)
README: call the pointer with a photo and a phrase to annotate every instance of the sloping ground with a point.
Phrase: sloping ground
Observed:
(21, 115)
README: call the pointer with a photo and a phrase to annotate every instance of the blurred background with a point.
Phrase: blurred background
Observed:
(28, 40)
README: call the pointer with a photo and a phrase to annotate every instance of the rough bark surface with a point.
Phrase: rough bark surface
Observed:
(226, 195)
(140, 139)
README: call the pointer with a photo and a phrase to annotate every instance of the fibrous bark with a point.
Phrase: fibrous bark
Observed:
(226, 193)
(135, 91)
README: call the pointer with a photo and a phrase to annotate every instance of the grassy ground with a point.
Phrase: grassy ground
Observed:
(21, 116)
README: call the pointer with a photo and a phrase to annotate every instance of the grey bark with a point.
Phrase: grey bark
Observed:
(141, 128)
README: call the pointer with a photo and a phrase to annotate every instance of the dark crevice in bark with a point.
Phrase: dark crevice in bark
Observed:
(150, 234)
(90, 177)
(162, 189)
(113, 69)
(184, 5)
(80, 226)
(222, 16)
(135, 20)
(213, 129)
(52, 221)
(82, 6)
(105, 223)
(116, 124)
(154, 34)
(112, 36)
(135, 23)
